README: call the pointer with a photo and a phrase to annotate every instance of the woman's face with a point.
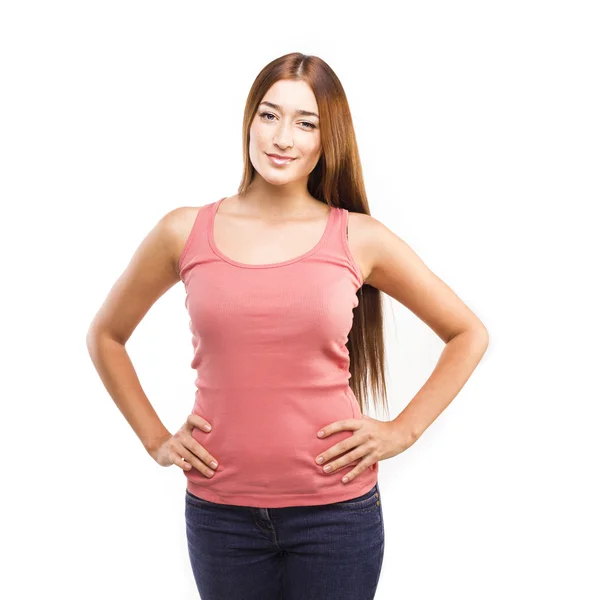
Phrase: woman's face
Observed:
(282, 130)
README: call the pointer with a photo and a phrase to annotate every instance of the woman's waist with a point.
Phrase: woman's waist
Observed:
(270, 408)
(272, 465)
(255, 429)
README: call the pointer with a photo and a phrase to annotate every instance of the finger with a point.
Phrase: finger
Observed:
(337, 450)
(345, 460)
(364, 464)
(176, 459)
(194, 461)
(348, 424)
(198, 421)
(201, 452)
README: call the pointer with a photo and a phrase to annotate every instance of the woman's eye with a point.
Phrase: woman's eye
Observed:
(267, 114)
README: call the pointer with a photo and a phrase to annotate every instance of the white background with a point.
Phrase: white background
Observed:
(475, 126)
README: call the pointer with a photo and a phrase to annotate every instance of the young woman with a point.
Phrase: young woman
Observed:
(283, 287)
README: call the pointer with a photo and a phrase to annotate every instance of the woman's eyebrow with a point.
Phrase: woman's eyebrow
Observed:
(298, 111)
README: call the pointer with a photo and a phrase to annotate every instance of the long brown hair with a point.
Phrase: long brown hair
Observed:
(337, 180)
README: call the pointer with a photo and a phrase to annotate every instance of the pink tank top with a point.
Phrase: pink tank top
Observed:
(272, 368)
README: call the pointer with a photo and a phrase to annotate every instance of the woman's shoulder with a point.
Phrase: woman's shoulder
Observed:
(361, 229)
(179, 223)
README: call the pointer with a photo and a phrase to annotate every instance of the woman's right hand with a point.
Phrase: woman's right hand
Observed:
(172, 449)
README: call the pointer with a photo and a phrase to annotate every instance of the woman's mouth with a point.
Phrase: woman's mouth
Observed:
(275, 160)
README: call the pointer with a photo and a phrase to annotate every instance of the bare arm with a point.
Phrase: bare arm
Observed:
(151, 271)
(396, 269)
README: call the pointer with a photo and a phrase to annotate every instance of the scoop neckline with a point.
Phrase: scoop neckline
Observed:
(236, 263)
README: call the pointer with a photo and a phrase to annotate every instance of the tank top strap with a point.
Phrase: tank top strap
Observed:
(336, 247)
(196, 248)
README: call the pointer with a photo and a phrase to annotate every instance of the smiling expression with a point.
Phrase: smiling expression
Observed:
(286, 124)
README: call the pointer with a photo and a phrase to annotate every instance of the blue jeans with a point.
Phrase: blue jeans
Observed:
(324, 552)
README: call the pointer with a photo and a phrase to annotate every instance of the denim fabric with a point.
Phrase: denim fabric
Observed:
(323, 552)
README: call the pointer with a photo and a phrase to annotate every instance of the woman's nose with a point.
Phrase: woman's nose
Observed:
(283, 137)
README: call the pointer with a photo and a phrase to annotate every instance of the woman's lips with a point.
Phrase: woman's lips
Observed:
(279, 161)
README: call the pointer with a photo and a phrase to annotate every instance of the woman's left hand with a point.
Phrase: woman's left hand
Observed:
(372, 441)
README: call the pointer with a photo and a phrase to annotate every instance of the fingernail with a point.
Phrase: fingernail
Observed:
(320, 433)
(213, 464)
(207, 427)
